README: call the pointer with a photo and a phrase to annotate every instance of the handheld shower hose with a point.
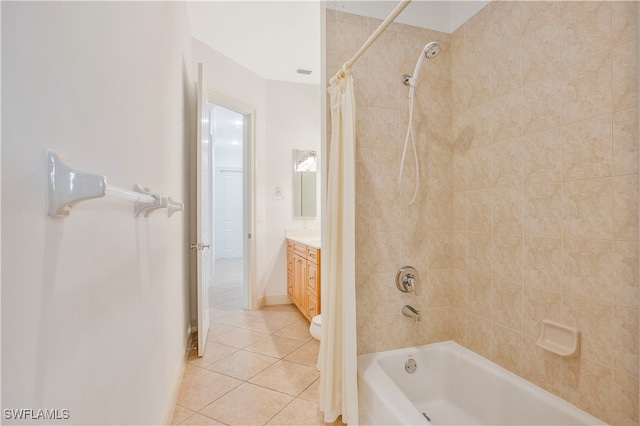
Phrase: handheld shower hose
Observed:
(430, 51)
(415, 156)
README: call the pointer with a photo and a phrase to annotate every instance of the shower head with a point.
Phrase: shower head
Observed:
(429, 51)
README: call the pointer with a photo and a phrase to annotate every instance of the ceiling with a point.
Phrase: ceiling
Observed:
(275, 38)
(271, 38)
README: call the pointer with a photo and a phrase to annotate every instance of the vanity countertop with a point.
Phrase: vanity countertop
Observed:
(308, 237)
(310, 242)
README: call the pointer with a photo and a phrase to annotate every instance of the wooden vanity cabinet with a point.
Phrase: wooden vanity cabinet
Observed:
(303, 277)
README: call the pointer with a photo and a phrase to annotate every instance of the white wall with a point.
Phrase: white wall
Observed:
(287, 117)
(293, 122)
(233, 81)
(94, 305)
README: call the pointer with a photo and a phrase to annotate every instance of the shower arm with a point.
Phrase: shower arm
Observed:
(407, 80)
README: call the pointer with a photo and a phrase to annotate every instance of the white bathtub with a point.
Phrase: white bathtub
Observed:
(454, 386)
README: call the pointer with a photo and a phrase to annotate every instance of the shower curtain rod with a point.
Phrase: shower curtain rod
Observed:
(383, 26)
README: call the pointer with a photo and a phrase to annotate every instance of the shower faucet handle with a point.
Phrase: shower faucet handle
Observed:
(407, 279)
(409, 282)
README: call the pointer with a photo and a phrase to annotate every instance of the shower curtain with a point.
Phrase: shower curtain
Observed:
(338, 355)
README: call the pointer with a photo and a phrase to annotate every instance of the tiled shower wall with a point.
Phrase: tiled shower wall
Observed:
(545, 167)
(527, 128)
(389, 234)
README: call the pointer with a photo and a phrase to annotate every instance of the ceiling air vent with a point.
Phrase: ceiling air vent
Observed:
(301, 71)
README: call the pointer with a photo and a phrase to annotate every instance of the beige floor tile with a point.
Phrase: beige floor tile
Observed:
(190, 369)
(213, 385)
(213, 352)
(277, 322)
(265, 325)
(275, 346)
(306, 354)
(312, 393)
(217, 313)
(272, 321)
(239, 338)
(216, 329)
(296, 330)
(238, 318)
(300, 412)
(284, 317)
(286, 377)
(199, 419)
(242, 365)
(247, 405)
(289, 307)
(204, 387)
(179, 414)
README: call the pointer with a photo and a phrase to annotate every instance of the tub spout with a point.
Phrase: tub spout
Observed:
(410, 312)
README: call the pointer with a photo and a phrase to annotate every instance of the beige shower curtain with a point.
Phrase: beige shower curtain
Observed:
(338, 355)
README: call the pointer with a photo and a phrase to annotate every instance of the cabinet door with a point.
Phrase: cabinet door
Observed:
(290, 287)
(300, 288)
(313, 289)
(291, 259)
(312, 306)
(312, 276)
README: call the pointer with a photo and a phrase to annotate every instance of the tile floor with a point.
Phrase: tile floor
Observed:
(258, 367)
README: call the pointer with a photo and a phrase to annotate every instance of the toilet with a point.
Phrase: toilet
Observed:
(316, 327)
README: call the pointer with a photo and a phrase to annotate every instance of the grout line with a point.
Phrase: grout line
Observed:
(236, 350)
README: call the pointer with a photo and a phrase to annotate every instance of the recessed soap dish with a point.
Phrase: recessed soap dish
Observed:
(560, 339)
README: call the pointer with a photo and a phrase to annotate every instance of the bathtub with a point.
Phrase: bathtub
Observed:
(452, 385)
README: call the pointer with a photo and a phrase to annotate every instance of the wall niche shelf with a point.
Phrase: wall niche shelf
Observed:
(560, 339)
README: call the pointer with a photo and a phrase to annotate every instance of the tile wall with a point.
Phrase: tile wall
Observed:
(389, 234)
(545, 159)
(527, 129)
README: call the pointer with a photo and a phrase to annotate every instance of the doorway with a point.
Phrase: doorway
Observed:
(228, 226)
(229, 136)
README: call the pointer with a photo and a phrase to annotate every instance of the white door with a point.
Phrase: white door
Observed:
(203, 206)
(229, 220)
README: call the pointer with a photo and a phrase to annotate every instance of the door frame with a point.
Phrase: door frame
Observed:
(249, 166)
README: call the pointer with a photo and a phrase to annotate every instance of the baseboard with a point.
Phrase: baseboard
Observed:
(273, 300)
(177, 379)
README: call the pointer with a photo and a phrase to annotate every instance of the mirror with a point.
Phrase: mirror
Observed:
(305, 163)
